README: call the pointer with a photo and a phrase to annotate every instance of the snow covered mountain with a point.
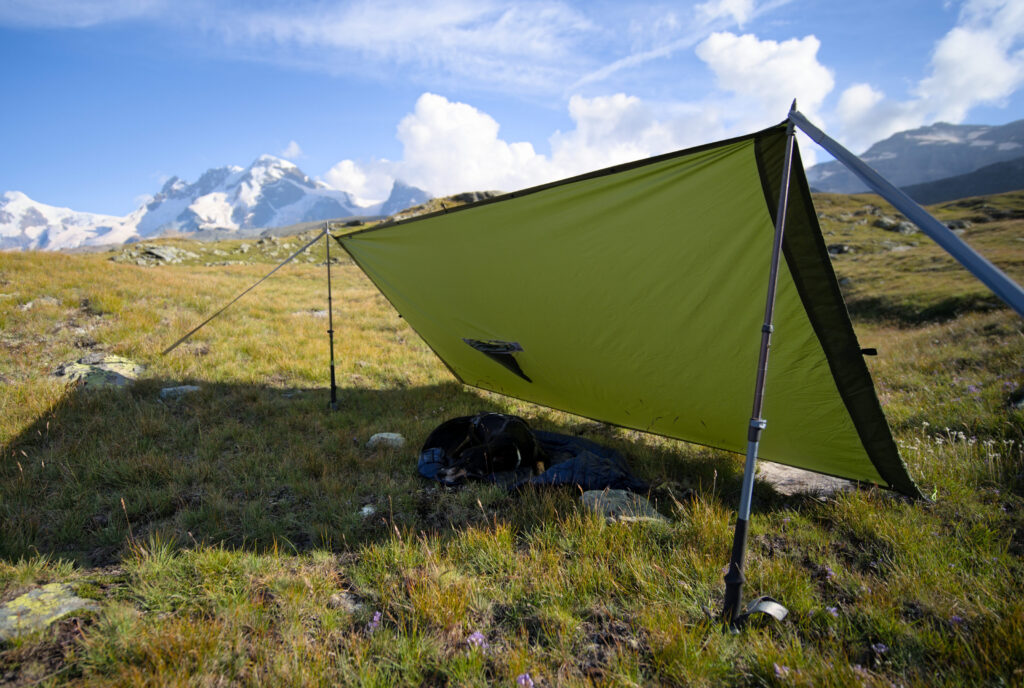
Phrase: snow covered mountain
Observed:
(270, 192)
(927, 154)
(28, 224)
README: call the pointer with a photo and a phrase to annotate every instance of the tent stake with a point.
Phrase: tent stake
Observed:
(734, 578)
(330, 318)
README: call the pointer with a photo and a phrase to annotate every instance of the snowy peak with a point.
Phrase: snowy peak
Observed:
(28, 224)
(270, 192)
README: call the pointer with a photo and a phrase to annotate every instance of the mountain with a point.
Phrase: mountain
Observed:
(403, 196)
(224, 201)
(28, 224)
(926, 154)
(991, 179)
(269, 193)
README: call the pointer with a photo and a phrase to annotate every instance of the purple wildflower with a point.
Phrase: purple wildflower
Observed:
(829, 573)
(834, 611)
(781, 670)
(956, 619)
(524, 680)
(880, 648)
(973, 389)
(477, 639)
(374, 623)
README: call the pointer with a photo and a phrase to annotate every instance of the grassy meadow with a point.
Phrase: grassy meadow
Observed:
(244, 535)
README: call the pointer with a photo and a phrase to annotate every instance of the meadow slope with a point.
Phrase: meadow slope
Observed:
(243, 534)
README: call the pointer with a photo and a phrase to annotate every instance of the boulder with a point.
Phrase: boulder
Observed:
(37, 609)
(100, 370)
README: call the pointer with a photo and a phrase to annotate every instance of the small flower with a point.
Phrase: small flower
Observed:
(880, 648)
(374, 623)
(834, 611)
(781, 670)
(524, 680)
(829, 573)
(477, 639)
(785, 521)
(956, 619)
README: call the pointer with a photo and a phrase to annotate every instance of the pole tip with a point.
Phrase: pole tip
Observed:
(792, 108)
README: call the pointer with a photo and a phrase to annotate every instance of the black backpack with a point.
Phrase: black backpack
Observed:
(478, 447)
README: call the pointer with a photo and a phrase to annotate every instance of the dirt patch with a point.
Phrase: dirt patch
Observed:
(33, 663)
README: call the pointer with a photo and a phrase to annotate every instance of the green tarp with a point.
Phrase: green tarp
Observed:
(635, 296)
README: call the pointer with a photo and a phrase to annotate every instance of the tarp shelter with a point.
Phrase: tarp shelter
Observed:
(634, 295)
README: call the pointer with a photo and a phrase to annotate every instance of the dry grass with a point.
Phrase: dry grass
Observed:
(244, 554)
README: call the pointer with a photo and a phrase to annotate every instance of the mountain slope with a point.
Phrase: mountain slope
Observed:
(991, 179)
(27, 224)
(926, 154)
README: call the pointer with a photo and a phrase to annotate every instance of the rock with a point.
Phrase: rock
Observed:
(621, 505)
(244, 248)
(838, 249)
(177, 392)
(37, 609)
(368, 510)
(100, 370)
(789, 480)
(166, 253)
(345, 601)
(41, 301)
(906, 228)
(959, 224)
(887, 223)
(391, 440)
(845, 282)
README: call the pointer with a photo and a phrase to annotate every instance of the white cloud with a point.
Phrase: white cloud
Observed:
(292, 151)
(765, 76)
(979, 61)
(449, 147)
(739, 10)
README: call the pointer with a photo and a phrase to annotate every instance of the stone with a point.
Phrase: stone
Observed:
(177, 392)
(166, 253)
(622, 506)
(390, 440)
(37, 609)
(838, 249)
(345, 601)
(906, 228)
(887, 223)
(244, 248)
(960, 224)
(100, 370)
(788, 480)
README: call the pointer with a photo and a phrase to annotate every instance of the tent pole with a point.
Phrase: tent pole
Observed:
(330, 319)
(734, 578)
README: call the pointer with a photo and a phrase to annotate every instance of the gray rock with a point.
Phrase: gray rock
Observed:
(887, 223)
(391, 440)
(621, 505)
(100, 370)
(167, 253)
(907, 228)
(177, 392)
(839, 249)
(345, 601)
(244, 248)
(37, 609)
(959, 224)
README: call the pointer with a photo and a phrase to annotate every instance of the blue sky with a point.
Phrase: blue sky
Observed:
(105, 100)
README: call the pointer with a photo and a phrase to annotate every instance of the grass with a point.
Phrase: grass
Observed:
(227, 535)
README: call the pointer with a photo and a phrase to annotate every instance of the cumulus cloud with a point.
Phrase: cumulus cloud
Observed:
(765, 76)
(979, 61)
(449, 147)
(292, 151)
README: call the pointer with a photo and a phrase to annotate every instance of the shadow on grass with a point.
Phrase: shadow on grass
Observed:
(258, 467)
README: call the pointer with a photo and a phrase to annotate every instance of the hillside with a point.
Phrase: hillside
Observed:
(926, 154)
(243, 534)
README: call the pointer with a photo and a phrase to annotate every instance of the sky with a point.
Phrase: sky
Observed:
(103, 101)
